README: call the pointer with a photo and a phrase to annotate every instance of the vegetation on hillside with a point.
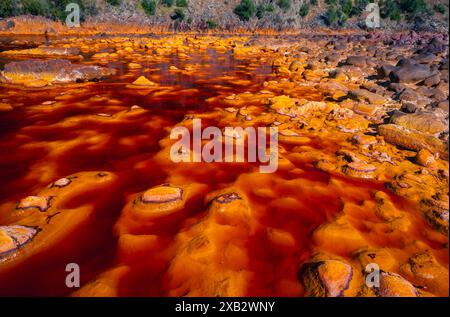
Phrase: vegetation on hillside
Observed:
(335, 13)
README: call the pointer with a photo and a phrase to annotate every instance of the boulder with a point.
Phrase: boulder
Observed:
(412, 140)
(410, 73)
(432, 81)
(370, 97)
(423, 122)
(386, 70)
(359, 61)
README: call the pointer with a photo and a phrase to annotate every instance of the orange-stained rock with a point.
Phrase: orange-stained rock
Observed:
(14, 237)
(105, 285)
(339, 229)
(159, 207)
(436, 212)
(424, 158)
(359, 169)
(383, 258)
(210, 258)
(412, 140)
(423, 270)
(392, 285)
(385, 208)
(422, 122)
(328, 278)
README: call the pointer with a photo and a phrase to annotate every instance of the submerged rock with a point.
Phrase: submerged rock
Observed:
(54, 71)
(45, 51)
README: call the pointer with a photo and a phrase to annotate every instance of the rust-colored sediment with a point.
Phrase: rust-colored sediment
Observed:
(87, 178)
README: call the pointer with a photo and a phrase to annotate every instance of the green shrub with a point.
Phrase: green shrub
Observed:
(211, 24)
(304, 10)
(58, 8)
(149, 6)
(113, 2)
(284, 4)
(335, 17)
(270, 8)
(7, 8)
(260, 10)
(346, 6)
(389, 9)
(439, 7)
(245, 10)
(168, 3)
(35, 7)
(331, 16)
(314, 2)
(54, 9)
(178, 14)
(182, 3)
(395, 15)
(331, 2)
(414, 6)
(359, 7)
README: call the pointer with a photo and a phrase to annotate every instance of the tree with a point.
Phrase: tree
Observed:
(178, 14)
(389, 9)
(182, 3)
(168, 3)
(439, 7)
(335, 17)
(113, 2)
(7, 8)
(284, 4)
(149, 6)
(245, 10)
(35, 7)
(346, 6)
(414, 6)
(211, 24)
(304, 10)
(360, 6)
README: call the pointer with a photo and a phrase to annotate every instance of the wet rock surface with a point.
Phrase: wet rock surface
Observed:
(329, 278)
(33, 73)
